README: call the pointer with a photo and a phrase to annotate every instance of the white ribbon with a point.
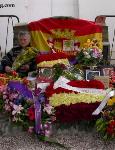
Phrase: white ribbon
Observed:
(62, 82)
(104, 102)
(43, 86)
(31, 78)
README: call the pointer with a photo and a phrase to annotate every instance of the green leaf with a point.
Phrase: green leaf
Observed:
(51, 141)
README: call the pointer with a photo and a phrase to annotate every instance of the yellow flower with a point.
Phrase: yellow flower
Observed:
(53, 62)
(72, 98)
(111, 101)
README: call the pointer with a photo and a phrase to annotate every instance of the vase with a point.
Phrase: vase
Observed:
(92, 67)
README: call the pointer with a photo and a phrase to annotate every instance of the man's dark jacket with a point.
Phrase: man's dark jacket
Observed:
(10, 57)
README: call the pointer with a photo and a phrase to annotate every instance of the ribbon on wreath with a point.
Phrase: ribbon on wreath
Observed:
(39, 98)
(63, 83)
(22, 88)
(104, 102)
(37, 115)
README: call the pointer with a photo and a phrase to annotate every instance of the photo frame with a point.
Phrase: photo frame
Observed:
(45, 74)
(90, 74)
(108, 71)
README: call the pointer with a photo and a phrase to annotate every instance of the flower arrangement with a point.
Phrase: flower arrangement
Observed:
(106, 124)
(18, 108)
(70, 105)
(22, 102)
(18, 101)
(90, 54)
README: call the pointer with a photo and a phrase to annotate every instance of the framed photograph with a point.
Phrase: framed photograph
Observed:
(90, 74)
(45, 74)
(108, 71)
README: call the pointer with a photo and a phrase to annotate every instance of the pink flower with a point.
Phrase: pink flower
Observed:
(7, 107)
(15, 119)
(48, 133)
(7, 101)
(17, 109)
(96, 53)
(2, 88)
(4, 93)
(30, 129)
(4, 96)
(13, 96)
(48, 108)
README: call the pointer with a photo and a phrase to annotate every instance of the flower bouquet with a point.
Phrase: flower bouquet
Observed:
(90, 54)
(27, 108)
(106, 124)
(25, 56)
(70, 72)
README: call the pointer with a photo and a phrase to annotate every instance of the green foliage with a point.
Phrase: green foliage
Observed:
(106, 124)
(58, 70)
(71, 73)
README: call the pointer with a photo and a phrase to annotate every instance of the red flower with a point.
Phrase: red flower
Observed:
(79, 83)
(112, 124)
(14, 73)
(31, 113)
(75, 112)
(110, 130)
(25, 81)
(96, 84)
(50, 57)
(3, 75)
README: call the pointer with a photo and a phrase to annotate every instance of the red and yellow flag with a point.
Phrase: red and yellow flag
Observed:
(63, 34)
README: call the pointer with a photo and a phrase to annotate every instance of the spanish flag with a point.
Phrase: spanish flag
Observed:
(63, 33)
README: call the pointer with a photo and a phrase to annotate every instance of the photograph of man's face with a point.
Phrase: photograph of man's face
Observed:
(91, 74)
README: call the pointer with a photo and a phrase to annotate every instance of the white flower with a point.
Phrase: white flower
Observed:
(4, 96)
(14, 119)
(17, 109)
(48, 108)
(88, 56)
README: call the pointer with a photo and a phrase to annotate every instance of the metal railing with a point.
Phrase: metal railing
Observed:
(10, 16)
(7, 16)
